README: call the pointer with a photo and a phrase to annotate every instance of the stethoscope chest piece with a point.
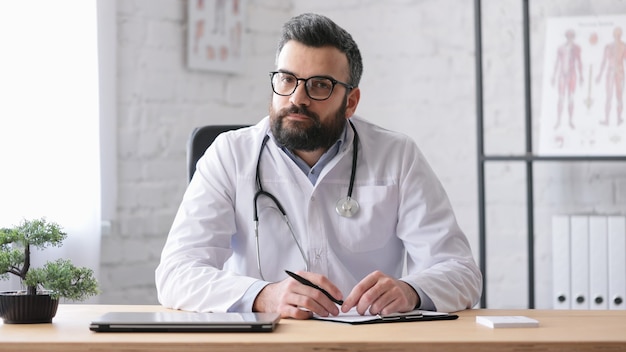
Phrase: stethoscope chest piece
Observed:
(347, 207)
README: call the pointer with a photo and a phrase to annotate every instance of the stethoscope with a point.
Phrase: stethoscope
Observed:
(346, 206)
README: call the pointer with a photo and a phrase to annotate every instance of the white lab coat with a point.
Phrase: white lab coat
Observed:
(209, 260)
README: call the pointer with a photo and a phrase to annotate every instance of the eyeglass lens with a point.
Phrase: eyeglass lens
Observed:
(318, 88)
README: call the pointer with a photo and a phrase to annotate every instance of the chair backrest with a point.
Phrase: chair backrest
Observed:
(200, 139)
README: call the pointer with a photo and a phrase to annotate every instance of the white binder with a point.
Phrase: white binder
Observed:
(617, 261)
(598, 263)
(579, 236)
(560, 262)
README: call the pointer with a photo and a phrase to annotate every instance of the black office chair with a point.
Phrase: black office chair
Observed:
(200, 139)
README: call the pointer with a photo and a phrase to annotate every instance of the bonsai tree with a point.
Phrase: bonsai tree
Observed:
(60, 277)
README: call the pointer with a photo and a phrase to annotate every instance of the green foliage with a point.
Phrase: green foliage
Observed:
(10, 260)
(40, 234)
(11, 253)
(64, 280)
(61, 277)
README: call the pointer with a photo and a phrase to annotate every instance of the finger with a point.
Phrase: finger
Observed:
(321, 304)
(316, 302)
(398, 296)
(384, 304)
(356, 296)
(292, 300)
(290, 311)
(323, 282)
(311, 299)
(370, 297)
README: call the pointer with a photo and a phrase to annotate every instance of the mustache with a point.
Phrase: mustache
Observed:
(301, 110)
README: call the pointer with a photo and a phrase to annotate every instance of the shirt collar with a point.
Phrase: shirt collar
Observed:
(313, 172)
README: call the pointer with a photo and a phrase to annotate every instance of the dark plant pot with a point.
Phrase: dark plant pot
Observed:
(16, 307)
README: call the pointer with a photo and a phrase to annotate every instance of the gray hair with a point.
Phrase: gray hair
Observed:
(317, 31)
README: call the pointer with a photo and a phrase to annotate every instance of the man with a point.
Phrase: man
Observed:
(338, 200)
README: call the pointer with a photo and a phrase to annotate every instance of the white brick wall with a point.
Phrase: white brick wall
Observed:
(418, 78)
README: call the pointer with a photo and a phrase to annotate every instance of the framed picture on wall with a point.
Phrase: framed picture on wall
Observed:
(215, 31)
(583, 86)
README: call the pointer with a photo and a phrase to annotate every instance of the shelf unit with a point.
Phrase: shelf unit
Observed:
(528, 158)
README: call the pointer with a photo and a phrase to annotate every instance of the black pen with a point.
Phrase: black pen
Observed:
(306, 282)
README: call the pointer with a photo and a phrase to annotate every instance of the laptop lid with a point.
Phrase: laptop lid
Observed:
(179, 321)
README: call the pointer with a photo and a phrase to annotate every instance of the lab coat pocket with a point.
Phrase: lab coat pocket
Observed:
(375, 223)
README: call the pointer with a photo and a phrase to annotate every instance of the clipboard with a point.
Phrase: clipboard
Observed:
(354, 318)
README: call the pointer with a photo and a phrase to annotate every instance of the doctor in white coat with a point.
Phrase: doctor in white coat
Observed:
(318, 191)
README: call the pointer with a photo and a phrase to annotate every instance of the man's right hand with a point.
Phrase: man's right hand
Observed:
(294, 300)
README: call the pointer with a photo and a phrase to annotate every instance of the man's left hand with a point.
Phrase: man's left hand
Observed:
(381, 294)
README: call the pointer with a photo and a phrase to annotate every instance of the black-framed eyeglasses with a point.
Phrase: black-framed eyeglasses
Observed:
(316, 87)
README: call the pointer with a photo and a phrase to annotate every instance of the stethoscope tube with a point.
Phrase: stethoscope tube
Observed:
(285, 218)
(345, 206)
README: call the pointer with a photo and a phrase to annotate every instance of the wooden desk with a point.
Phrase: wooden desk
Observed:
(558, 331)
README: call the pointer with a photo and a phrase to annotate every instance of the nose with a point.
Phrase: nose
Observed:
(300, 96)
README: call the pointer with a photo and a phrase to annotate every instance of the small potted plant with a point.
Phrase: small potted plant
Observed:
(45, 285)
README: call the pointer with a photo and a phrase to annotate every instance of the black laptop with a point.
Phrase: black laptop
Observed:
(178, 321)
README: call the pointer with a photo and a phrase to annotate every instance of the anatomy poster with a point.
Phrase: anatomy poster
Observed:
(582, 109)
(215, 34)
